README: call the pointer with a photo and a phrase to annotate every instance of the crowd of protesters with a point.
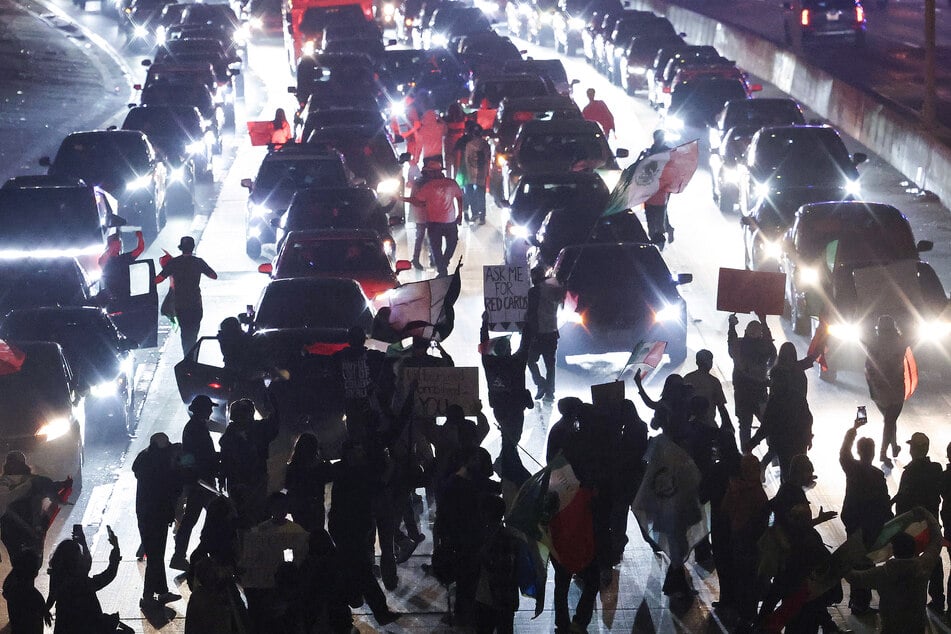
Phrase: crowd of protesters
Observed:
(283, 559)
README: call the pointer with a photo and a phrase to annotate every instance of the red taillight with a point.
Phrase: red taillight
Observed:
(522, 117)
(215, 386)
(666, 90)
(804, 18)
(859, 13)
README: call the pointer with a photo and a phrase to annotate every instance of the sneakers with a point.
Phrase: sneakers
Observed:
(178, 562)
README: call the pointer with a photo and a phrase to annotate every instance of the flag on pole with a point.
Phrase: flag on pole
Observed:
(668, 171)
(419, 309)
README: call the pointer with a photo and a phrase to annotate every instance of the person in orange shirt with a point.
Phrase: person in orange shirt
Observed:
(598, 111)
(282, 129)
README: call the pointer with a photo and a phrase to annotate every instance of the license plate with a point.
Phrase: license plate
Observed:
(833, 16)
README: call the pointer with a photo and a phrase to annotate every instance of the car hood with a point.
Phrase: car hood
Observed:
(783, 202)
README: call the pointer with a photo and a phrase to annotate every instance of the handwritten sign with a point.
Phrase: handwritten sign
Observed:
(438, 388)
(506, 295)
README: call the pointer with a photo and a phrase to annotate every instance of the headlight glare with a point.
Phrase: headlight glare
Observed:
(566, 316)
(846, 332)
(670, 312)
(518, 231)
(808, 276)
(388, 187)
(139, 182)
(53, 429)
(854, 188)
(575, 24)
(104, 390)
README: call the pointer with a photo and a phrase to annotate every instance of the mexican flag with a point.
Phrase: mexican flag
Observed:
(419, 309)
(668, 171)
(11, 359)
(881, 550)
(647, 354)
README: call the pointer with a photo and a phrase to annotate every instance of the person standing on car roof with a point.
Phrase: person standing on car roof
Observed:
(186, 271)
(442, 200)
(470, 155)
(598, 111)
(659, 229)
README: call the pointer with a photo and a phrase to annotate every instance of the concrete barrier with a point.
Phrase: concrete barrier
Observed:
(879, 125)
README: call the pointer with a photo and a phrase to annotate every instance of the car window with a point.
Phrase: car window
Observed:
(562, 148)
(163, 122)
(495, 91)
(363, 155)
(39, 390)
(631, 271)
(300, 174)
(762, 112)
(866, 239)
(332, 256)
(316, 18)
(808, 156)
(52, 218)
(89, 339)
(35, 283)
(705, 96)
(286, 306)
(542, 195)
(98, 157)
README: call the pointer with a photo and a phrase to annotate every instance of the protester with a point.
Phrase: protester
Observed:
(358, 372)
(200, 464)
(245, 447)
(236, 347)
(946, 505)
(659, 229)
(115, 280)
(471, 156)
(671, 411)
(31, 502)
(902, 582)
(281, 129)
(305, 481)
(322, 571)
(431, 134)
(753, 355)
(867, 505)
(157, 490)
(497, 591)
(214, 606)
(541, 331)
(885, 375)
(920, 485)
(185, 272)
(420, 218)
(709, 387)
(792, 492)
(25, 605)
(485, 115)
(442, 201)
(597, 111)
(456, 125)
(457, 436)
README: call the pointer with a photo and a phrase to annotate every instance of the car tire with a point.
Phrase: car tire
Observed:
(252, 247)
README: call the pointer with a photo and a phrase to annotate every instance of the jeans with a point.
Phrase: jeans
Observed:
(589, 592)
(197, 499)
(189, 321)
(474, 201)
(154, 533)
(657, 224)
(543, 346)
(437, 232)
(420, 238)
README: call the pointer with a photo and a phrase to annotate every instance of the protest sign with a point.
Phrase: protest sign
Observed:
(506, 295)
(742, 291)
(260, 132)
(607, 393)
(438, 388)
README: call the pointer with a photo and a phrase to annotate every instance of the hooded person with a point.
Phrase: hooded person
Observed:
(753, 355)
(245, 447)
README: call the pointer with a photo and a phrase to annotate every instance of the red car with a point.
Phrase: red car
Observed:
(355, 254)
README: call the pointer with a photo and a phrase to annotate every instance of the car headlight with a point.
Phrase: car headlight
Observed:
(397, 108)
(575, 24)
(670, 312)
(177, 175)
(846, 332)
(388, 10)
(933, 330)
(140, 31)
(104, 390)
(566, 316)
(388, 187)
(518, 231)
(53, 429)
(256, 23)
(771, 249)
(854, 188)
(439, 40)
(259, 211)
(761, 189)
(673, 123)
(808, 276)
(309, 47)
(160, 35)
(729, 175)
(195, 147)
(139, 182)
(254, 232)
(501, 160)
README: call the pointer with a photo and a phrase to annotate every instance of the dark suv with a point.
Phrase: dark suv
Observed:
(826, 18)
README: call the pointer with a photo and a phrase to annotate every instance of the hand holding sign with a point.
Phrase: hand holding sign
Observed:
(506, 296)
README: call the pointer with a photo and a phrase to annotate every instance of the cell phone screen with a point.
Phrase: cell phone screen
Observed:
(288, 555)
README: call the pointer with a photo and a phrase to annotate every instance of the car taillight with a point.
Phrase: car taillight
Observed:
(522, 117)
(804, 18)
(859, 13)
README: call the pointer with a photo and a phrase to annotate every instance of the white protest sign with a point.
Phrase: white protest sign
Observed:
(438, 388)
(505, 289)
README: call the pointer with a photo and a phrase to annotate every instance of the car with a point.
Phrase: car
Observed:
(669, 60)
(170, 15)
(755, 113)
(553, 146)
(66, 218)
(541, 15)
(195, 95)
(370, 48)
(317, 117)
(786, 167)
(825, 19)
(647, 25)
(313, 22)
(484, 52)
(572, 17)
(694, 105)
(452, 20)
(336, 208)
(850, 262)
(551, 69)
(265, 18)
(281, 174)
(536, 195)
(406, 14)
(138, 20)
(497, 87)
(41, 409)
(202, 52)
(123, 163)
(100, 358)
(181, 137)
(437, 72)
(311, 303)
(371, 158)
(27, 282)
(357, 254)
(636, 59)
(222, 21)
(565, 226)
(335, 77)
(723, 165)
(592, 37)
(617, 295)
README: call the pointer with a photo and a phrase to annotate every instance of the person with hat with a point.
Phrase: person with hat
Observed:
(200, 465)
(186, 271)
(245, 447)
(885, 375)
(442, 200)
(920, 485)
(471, 156)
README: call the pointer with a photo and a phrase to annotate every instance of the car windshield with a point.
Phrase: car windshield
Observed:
(333, 256)
(620, 272)
(857, 239)
(533, 196)
(550, 68)
(497, 90)
(364, 156)
(35, 393)
(317, 18)
(808, 156)
(830, 5)
(313, 210)
(34, 283)
(163, 122)
(212, 14)
(162, 94)
(705, 97)
(89, 339)
(51, 218)
(300, 173)
(194, 47)
(342, 116)
(539, 149)
(98, 158)
(763, 112)
(337, 305)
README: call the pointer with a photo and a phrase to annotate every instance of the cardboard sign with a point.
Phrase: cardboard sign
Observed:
(506, 295)
(260, 132)
(742, 291)
(438, 388)
(607, 393)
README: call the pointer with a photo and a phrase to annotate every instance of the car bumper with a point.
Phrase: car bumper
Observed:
(579, 339)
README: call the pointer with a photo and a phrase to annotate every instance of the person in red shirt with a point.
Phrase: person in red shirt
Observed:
(441, 198)
(597, 111)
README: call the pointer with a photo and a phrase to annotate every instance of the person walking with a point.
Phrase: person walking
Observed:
(471, 155)
(185, 272)
(157, 491)
(200, 465)
(598, 111)
(442, 200)
(867, 505)
(885, 375)
(418, 216)
(245, 447)
(456, 126)
(920, 485)
(25, 605)
(753, 355)
(358, 372)
(306, 481)
(902, 582)
(709, 387)
(659, 229)
(432, 134)
(541, 331)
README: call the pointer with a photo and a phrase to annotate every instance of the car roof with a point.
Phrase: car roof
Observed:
(37, 181)
(128, 134)
(560, 177)
(633, 247)
(509, 77)
(544, 103)
(560, 125)
(30, 265)
(314, 284)
(318, 235)
(296, 151)
(360, 132)
(86, 314)
(845, 209)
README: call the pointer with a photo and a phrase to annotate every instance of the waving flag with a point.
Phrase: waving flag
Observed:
(525, 521)
(11, 359)
(881, 550)
(646, 356)
(668, 171)
(419, 309)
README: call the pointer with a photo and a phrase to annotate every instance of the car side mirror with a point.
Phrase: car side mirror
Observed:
(44, 161)
(684, 278)
(403, 265)
(247, 183)
(405, 157)
(756, 88)
(146, 62)
(859, 157)
(267, 268)
(622, 153)
(924, 246)
(292, 90)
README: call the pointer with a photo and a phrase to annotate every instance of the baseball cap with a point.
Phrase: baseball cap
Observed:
(919, 439)
(201, 403)
(187, 243)
(432, 163)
